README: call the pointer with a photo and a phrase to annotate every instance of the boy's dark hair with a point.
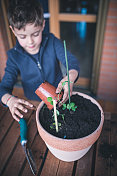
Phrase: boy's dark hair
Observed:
(22, 12)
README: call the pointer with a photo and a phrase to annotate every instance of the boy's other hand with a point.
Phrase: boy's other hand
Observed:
(72, 77)
(65, 88)
(17, 105)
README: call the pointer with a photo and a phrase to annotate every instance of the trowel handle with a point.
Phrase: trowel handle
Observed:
(23, 131)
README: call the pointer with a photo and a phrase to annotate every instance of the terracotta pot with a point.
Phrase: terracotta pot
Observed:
(70, 149)
(46, 90)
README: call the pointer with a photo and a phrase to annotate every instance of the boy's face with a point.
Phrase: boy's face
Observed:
(29, 37)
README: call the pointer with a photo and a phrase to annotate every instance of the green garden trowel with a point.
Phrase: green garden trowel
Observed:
(23, 135)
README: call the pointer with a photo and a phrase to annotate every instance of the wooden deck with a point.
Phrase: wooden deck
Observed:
(101, 160)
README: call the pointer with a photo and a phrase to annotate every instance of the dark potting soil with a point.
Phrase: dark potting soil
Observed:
(80, 123)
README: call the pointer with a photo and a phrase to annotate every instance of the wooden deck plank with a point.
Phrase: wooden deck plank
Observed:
(102, 104)
(111, 107)
(102, 164)
(84, 165)
(16, 160)
(5, 125)
(65, 168)
(8, 145)
(113, 139)
(51, 165)
(3, 110)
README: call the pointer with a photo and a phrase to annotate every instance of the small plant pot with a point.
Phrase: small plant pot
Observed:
(46, 90)
(69, 149)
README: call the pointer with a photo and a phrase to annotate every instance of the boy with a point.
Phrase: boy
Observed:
(36, 57)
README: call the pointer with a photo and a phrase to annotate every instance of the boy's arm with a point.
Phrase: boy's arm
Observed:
(73, 74)
(15, 104)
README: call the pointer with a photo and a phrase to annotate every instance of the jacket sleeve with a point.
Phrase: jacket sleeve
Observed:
(9, 78)
(60, 53)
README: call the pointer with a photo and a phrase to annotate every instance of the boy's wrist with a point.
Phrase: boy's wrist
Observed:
(73, 75)
(8, 99)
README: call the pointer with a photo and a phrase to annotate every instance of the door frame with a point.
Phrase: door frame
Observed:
(99, 40)
(100, 20)
(9, 37)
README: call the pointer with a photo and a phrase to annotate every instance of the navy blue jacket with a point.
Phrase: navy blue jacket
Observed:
(34, 72)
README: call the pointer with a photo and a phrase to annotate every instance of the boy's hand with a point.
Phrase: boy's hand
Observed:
(65, 95)
(16, 104)
(72, 77)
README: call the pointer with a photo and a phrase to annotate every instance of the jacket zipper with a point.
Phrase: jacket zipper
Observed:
(40, 68)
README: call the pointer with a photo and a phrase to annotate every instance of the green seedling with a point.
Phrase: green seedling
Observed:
(71, 106)
(55, 114)
(53, 125)
(58, 114)
(67, 71)
(52, 102)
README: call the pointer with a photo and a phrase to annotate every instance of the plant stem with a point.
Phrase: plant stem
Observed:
(55, 115)
(67, 72)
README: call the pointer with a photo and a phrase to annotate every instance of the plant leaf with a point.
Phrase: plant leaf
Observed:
(57, 112)
(63, 116)
(63, 84)
(59, 124)
(51, 102)
(64, 105)
(68, 106)
(49, 99)
(52, 126)
(72, 104)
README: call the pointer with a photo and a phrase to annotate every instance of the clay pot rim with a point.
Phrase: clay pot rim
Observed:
(82, 138)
